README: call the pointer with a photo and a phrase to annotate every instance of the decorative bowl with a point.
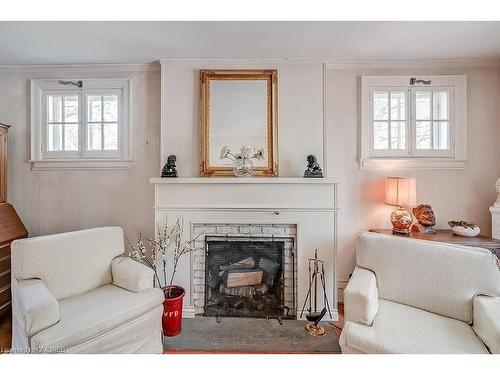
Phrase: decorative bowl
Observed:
(464, 229)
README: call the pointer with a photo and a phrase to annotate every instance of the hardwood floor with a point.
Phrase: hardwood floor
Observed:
(6, 328)
(337, 326)
(5, 332)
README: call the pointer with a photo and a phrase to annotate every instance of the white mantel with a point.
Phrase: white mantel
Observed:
(310, 204)
(270, 192)
(243, 180)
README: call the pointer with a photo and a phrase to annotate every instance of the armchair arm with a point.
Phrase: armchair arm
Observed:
(486, 321)
(361, 297)
(131, 275)
(37, 306)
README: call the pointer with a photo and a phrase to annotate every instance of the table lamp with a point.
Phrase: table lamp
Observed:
(400, 192)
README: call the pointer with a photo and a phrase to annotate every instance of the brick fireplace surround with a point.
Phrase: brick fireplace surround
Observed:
(244, 232)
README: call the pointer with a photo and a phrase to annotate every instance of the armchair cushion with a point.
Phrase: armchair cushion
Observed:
(96, 313)
(401, 329)
(361, 297)
(37, 305)
(487, 321)
(131, 275)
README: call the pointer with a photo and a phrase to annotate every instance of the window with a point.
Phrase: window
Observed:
(415, 125)
(80, 127)
(389, 121)
(432, 121)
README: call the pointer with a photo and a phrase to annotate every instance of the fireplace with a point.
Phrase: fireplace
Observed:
(302, 211)
(249, 277)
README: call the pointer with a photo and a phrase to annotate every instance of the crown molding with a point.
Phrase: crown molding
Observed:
(250, 60)
(354, 64)
(414, 64)
(328, 64)
(152, 67)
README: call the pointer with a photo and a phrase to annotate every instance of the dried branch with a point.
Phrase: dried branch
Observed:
(166, 237)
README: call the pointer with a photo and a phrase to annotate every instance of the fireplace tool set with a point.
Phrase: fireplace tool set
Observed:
(316, 270)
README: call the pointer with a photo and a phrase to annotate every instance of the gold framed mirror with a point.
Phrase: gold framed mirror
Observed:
(238, 108)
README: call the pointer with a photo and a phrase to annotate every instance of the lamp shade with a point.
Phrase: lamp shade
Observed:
(400, 191)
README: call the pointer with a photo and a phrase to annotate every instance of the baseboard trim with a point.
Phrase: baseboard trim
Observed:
(188, 312)
(341, 284)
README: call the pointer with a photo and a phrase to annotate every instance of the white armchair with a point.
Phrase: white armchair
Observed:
(412, 296)
(76, 293)
(487, 321)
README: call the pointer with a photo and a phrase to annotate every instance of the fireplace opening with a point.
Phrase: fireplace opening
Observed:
(249, 277)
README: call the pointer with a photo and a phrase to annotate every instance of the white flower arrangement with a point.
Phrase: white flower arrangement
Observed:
(167, 245)
(246, 152)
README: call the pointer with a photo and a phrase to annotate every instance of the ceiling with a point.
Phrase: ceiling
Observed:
(27, 43)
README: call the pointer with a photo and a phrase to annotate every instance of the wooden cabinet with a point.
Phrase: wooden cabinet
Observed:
(3, 162)
(11, 226)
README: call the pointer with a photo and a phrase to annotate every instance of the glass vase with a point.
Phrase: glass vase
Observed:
(243, 167)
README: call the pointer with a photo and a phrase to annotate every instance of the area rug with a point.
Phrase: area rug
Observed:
(247, 335)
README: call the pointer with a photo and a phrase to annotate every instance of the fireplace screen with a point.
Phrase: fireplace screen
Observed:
(246, 278)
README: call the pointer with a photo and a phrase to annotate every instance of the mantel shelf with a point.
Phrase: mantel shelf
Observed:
(242, 180)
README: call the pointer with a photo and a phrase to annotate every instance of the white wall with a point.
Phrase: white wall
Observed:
(57, 201)
(453, 194)
(300, 103)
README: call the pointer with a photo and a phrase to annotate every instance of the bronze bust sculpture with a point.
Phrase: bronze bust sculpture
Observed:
(313, 169)
(425, 217)
(169, 169)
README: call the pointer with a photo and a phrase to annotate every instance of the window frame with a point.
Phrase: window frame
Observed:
(44, 125)
(449, 153)
(411, 157)
(91, 154)
(42, 159)
(392, 152)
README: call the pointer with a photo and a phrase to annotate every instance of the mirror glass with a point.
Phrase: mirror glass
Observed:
(238, 117)
(238, 108)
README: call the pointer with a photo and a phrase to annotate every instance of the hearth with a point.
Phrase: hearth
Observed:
(249, 277)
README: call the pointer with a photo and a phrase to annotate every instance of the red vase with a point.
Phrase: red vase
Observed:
(172, 310)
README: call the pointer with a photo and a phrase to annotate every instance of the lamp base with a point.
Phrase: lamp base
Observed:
(397, 231)
(401, 221)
